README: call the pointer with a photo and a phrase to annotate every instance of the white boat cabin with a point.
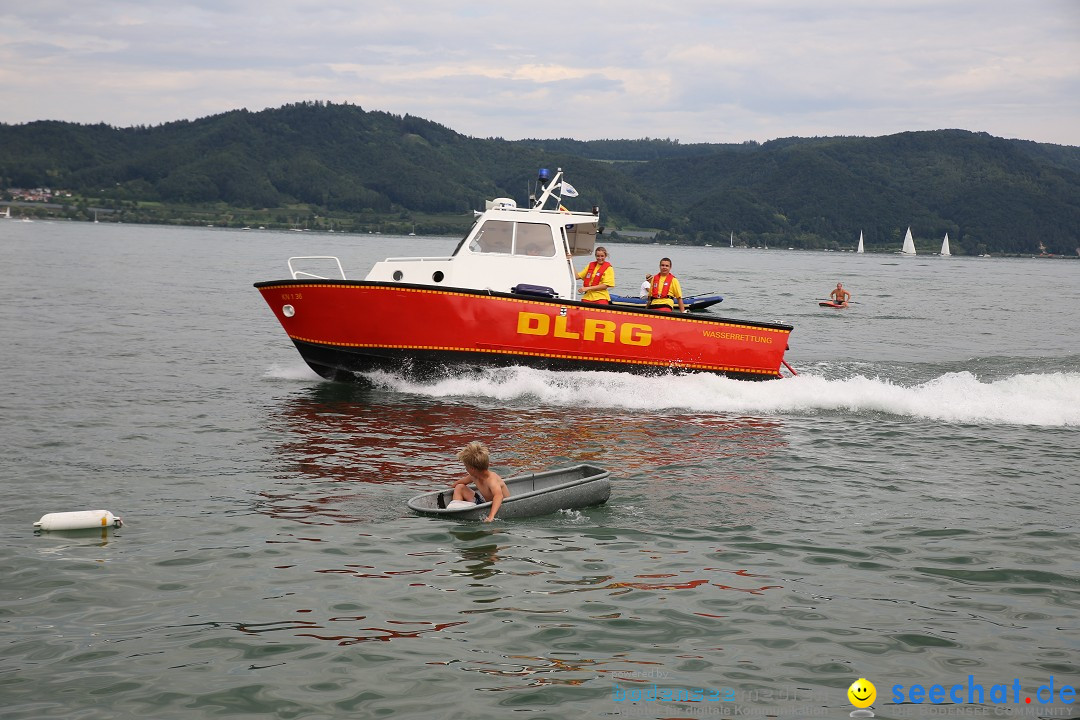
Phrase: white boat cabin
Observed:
(507, 247)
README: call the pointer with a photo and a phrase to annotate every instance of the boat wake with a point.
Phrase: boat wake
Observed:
(1050, 399)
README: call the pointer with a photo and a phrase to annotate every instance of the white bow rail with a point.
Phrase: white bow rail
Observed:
(299, 274)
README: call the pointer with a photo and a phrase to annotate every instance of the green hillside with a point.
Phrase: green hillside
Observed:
(987, 193)
(315, 162)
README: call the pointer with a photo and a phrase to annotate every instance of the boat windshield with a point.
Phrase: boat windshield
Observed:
(519, 238)
(534, 239)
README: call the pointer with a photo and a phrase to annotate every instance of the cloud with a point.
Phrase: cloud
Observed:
(716, 71)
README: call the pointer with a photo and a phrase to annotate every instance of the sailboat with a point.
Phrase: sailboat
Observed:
(909, 244)
(860, 250)
(945, 246)
(731, 242)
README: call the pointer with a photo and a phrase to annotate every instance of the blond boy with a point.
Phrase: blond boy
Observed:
(487, 485)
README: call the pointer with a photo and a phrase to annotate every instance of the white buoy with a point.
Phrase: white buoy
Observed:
(78, 520)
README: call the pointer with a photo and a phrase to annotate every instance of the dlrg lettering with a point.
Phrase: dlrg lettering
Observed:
(999, 693)
(594, 330)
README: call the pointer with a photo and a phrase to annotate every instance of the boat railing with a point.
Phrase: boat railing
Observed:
(301, 274)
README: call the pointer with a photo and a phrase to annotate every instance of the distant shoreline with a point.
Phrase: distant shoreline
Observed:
(631, 237)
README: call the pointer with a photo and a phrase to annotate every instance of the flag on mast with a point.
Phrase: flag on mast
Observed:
(567, 190)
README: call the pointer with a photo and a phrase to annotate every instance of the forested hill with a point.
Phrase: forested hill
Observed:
(988, 193)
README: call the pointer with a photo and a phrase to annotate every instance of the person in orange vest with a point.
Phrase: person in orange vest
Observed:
(664, 290)
(597, 279)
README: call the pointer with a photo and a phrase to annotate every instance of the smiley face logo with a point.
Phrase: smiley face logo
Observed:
(862, 693)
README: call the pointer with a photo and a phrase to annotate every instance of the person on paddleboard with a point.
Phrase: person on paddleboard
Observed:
(664, 289)
(840, 296)
(597, 279)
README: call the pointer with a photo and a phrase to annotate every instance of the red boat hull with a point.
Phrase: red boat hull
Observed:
(342, 327)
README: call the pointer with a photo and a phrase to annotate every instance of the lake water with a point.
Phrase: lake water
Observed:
(905, 510)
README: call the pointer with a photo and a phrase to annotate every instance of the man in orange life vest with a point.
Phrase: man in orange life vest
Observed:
(597, 279)
(665, 289)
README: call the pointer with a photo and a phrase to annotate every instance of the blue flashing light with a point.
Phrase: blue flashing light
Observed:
(544, 175)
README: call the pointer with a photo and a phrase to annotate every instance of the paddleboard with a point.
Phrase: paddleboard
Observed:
(832, 305)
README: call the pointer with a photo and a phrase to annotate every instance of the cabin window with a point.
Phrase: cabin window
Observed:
(504, 237)
(495, 236)
(534, 239)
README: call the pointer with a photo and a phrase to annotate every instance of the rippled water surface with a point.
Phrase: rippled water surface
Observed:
(904, 511)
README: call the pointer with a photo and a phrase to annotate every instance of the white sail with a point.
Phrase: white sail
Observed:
(909, 244)
(945, 246)
(731, 242)
(860, 250)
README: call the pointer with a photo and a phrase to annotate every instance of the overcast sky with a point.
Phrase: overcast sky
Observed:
(692, 70)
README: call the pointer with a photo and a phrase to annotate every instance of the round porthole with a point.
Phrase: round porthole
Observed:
(288, 310)
(398, 275)
(438, 276)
